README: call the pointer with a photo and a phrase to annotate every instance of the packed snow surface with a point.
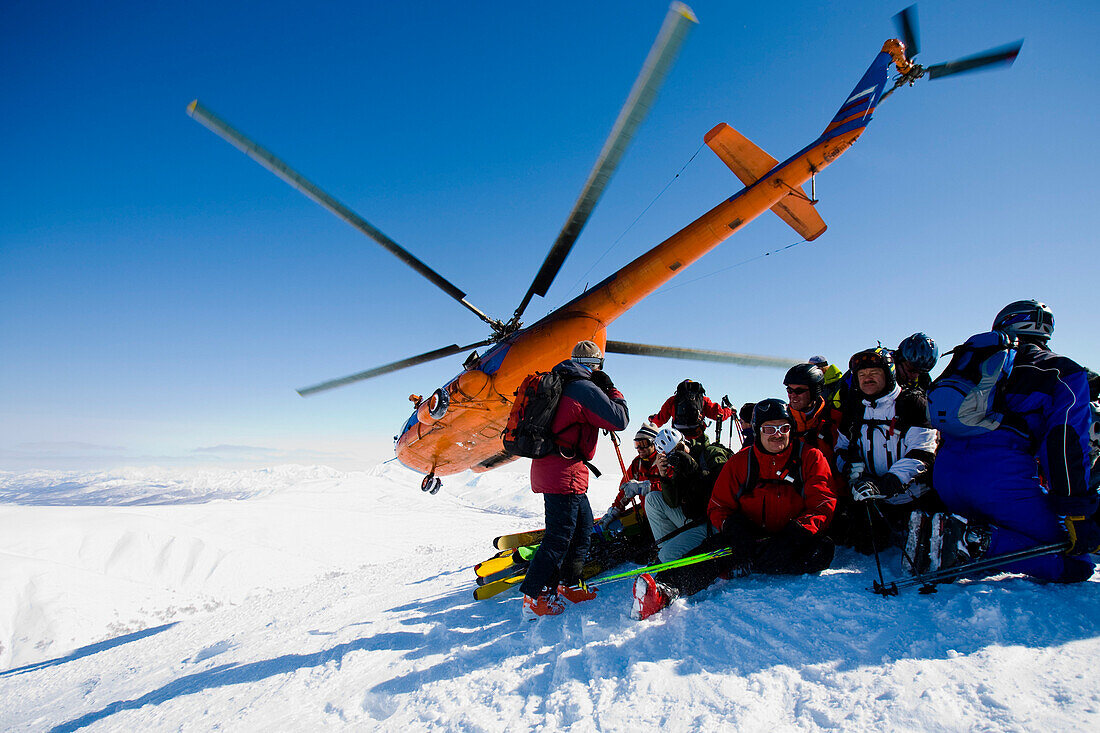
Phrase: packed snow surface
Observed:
(296, 598)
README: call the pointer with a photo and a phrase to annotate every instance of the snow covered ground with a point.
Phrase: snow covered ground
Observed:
(295, 598)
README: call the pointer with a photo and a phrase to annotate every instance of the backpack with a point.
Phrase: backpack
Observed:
(689, 404)
(528, 433)
(967, 400)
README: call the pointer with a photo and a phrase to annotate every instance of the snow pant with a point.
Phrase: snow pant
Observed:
(754, 551)
(560, 556)
(664, 520)
(994, 479)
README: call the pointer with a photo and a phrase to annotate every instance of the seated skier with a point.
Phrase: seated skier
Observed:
(677, 513)
(769, 506)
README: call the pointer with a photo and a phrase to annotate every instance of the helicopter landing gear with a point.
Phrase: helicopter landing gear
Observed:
(431, 484)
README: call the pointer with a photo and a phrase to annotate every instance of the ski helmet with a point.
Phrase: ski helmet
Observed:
(1026, 319)
(809, 375)
(878, 358)
(668, 439)
(920, 351)
(770, 409)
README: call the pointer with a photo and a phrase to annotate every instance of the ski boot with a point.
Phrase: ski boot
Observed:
(547, 604)
(916, 557)
(578, 593)
(954, 542)
(649, 597)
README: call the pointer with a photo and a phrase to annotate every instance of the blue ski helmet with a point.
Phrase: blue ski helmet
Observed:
(920, 351)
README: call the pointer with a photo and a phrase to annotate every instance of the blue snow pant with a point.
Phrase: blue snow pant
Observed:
(560, 557)
(994, 479)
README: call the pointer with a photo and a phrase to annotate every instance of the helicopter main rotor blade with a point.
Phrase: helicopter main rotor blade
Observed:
(909, 30)
(268, 160)
(1001, 55)
(391, 367)
(674, 352)
(656, 66)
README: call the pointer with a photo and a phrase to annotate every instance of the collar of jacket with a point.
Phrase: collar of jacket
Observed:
(772, 464)
(886, 400)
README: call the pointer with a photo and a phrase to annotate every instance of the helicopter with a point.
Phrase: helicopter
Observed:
(458, 426)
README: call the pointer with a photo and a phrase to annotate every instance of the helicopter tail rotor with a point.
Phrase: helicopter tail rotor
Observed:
(908, 46)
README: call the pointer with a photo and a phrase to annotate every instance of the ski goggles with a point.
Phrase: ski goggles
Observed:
(775, 429)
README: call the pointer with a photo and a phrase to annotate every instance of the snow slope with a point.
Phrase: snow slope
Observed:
(311, 598)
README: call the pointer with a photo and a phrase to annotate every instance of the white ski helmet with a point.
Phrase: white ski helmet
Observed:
(668, 439)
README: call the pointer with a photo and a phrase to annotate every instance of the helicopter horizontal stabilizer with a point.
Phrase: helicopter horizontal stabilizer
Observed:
(750, 163)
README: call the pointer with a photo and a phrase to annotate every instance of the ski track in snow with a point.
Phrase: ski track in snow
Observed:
(320, 599)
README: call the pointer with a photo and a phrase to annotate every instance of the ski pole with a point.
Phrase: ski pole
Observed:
(928, 581)
(874, 545)
(713, 555)
(615, 442)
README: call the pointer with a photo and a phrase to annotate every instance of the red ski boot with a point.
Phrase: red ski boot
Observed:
(547, 604)
(649, 597)
(578, 593)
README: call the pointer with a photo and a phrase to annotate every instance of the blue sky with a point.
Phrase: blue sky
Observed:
(161, 295)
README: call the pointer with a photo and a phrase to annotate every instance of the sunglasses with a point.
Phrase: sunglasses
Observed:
(775, 429)
(797, 390)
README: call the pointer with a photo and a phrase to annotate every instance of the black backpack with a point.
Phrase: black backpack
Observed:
(689, 403)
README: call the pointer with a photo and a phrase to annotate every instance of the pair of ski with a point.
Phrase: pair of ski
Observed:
(508, 567)
(927, 582)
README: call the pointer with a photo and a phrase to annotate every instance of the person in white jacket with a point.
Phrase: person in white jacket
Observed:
(885, 451)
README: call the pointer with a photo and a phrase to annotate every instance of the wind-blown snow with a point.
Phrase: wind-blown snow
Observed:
(298, 597)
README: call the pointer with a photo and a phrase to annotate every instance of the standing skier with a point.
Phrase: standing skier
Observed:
(589, 403)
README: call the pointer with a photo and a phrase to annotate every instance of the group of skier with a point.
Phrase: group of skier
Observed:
(849, 458)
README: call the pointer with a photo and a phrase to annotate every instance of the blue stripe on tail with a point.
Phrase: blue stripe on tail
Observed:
(856, 111)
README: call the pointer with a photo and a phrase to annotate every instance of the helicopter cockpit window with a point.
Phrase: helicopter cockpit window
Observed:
(471, 361)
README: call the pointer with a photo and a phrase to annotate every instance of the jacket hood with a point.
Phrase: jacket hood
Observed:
(570, 368)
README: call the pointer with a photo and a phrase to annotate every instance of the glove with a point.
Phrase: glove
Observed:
(855, 470)
(644, 487)
(609, 518)
(867, 490)
(602, 380)
(1084, 535)
(635, 488)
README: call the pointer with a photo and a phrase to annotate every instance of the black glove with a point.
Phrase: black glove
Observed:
(778, 552)
(740, 534)
(1084, 535)
(602, 380)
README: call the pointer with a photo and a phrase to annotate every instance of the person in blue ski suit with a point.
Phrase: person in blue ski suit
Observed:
(999, 477)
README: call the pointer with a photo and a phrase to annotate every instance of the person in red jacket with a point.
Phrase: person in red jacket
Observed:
(589, 402)
(689, 409)
(641, 475)
(769, 506)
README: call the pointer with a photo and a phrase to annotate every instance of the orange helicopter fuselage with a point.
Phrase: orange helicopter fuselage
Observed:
(459, 427)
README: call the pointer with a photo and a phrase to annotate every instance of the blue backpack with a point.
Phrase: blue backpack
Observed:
(966, 401)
